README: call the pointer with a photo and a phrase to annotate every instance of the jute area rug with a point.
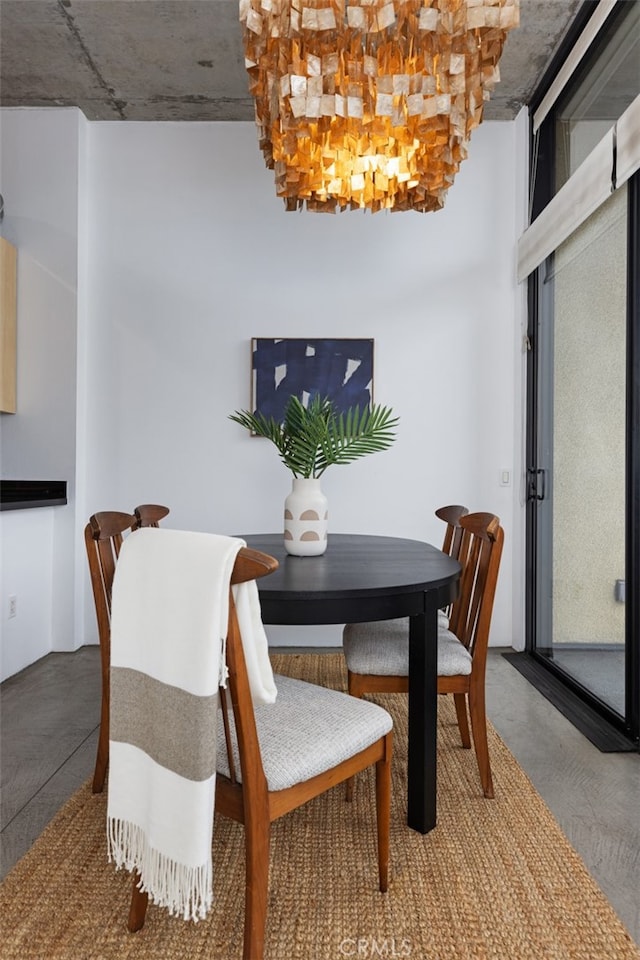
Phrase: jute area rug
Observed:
(495, 879)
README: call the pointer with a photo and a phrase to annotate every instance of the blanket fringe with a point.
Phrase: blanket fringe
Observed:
(186, 892)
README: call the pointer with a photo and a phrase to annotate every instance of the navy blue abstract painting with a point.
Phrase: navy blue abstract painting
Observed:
(339, 369)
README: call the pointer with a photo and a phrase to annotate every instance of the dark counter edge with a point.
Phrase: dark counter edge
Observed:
(27, 494)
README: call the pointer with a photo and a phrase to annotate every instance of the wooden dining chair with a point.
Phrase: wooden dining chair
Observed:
(274, 758)
(377, 654)
(103, 536)
(450, 515)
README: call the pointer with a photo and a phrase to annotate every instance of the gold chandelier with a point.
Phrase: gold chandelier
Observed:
(369, 104)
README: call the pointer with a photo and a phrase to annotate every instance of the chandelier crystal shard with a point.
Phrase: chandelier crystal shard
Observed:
(369, 104)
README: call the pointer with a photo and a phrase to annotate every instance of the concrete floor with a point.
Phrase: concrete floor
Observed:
(48, 736)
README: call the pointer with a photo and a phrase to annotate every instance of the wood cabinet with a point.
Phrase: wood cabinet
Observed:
(8, 260)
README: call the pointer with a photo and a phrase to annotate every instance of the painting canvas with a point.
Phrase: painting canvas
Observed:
(340, 369)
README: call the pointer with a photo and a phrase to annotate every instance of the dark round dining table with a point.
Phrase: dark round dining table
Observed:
(361, 578)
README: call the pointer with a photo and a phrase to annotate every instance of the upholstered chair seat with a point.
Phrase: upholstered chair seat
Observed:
(382, 648)
(324, 728)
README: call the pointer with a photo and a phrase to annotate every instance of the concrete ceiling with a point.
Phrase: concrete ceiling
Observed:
(183, 60)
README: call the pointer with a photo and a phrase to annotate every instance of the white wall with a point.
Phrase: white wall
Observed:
(193, 255)
(39, 183)
(183, 253)
(40, 160)
(26, 572)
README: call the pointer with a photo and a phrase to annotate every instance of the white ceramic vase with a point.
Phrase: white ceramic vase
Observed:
(305, 519)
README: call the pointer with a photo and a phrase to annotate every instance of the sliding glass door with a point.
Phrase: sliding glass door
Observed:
(583, 457)
(578, 483)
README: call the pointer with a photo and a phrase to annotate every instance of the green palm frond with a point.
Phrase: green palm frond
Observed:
(357, 433)
(257, 423)
(315, 437)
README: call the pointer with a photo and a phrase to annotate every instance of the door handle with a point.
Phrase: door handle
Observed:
(541, 484)
(537, 484)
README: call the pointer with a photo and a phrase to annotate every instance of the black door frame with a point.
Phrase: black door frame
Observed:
(632, 659)
(598, 721)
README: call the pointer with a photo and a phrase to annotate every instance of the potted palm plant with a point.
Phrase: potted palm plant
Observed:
(309, 440)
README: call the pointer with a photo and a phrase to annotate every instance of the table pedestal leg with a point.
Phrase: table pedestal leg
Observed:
(423, 709)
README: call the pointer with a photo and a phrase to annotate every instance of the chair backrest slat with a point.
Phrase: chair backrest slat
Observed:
(452, 515)
(452, 543)
(250, 565)
(480, 554)
(103, 538)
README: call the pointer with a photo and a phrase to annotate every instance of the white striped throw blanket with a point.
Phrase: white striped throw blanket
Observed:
(168, 623)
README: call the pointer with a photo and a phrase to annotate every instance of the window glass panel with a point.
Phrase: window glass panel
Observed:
(586, 508)
(601, 90)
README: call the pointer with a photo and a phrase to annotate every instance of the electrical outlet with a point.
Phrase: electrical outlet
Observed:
(13, 606)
